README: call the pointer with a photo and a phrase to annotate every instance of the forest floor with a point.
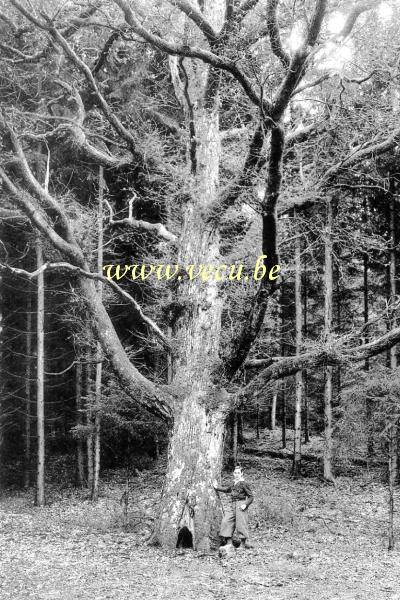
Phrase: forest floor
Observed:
(313, 541)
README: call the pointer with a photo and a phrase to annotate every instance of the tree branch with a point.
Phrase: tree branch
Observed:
(297, 64)
(194, 52)
(253, 163)
(63, 266)
(363, 153)
(85, 70)
(286, 366)
(157, 228)
(273, 32)
(254, 319)
(316, 22)
(358, 9)
(29, 207)
(197, 17)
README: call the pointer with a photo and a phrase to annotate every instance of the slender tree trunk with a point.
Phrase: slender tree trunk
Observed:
(257, 421)
(369, 403)
(283, 412)
(1, 386)
(328, 445)
(393, 426)
(283, 352)
(235, 437)
(40, 490)
(296, 468)
(28, 377)
(97, 415)
(240, 420)
(80, 470)
(392, 481)
(274, 405)
(89, 423)
(306, 419)
(339, 325)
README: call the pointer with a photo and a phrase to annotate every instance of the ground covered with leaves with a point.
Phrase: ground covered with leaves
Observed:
(312, 541)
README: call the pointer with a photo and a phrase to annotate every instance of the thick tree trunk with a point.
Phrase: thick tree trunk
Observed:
(194, 461)
(196, 447)
(28, 377)
(296, 469)
(40, 489)
(328, 420)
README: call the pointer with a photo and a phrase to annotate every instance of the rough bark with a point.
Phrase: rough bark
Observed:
(328, 418)
(393, 424)
(369, 403)
(89, 424)
(296, 470)
(235, 434)
(80, 469)
(99, 366)
(196, 446)
(273, 406)
(40, 483)
(28, 376)
(305, 381)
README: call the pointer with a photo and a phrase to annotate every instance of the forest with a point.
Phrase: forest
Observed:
(199, 264)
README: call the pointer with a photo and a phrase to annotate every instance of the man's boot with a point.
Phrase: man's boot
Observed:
(245, 544)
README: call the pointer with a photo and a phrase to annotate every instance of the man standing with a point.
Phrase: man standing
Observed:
(236, 516)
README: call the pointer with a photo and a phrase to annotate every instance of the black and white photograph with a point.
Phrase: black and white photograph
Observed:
(199, 299)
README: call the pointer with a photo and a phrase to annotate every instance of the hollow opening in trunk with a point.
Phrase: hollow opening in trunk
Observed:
(185, 538)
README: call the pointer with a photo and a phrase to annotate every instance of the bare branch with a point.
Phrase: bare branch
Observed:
(286, 366)
(314, 83)
(85, 70)
(28, 58)
(164, 121)
(274, 35)
(79, 139)
(254, 319)
(197, 17)
(364, 153)
(49, 203)
(316, 22)
(358, 9)
(297, 65)
(253, 163)
(304, 133)
(245, 7)
(105, 52)
(194, 52)
(63, 266)
(9, 21)
(157, 228)
(37, 217)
